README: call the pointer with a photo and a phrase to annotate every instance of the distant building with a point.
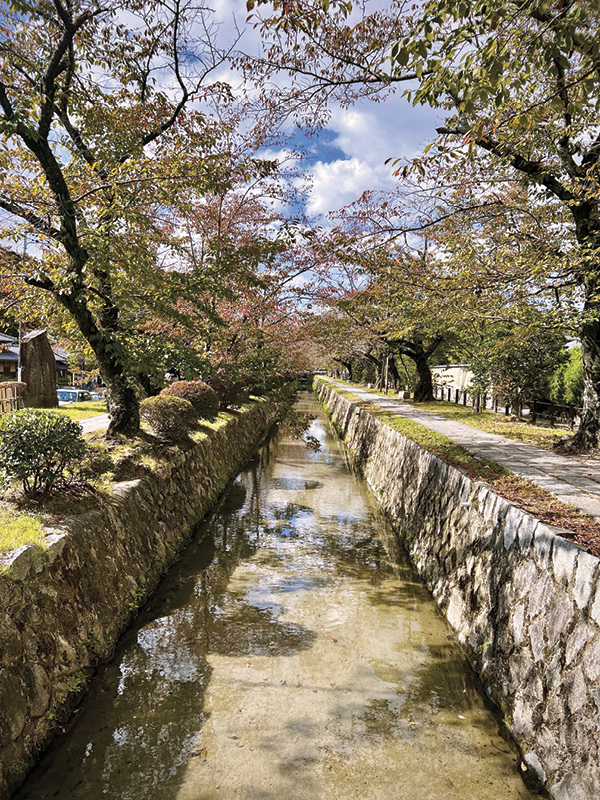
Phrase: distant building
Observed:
(9, 360)
(453, 376)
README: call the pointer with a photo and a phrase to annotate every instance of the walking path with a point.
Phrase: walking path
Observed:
(96, 423)
(571, 479)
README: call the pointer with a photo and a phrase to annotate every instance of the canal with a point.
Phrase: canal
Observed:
(291, 654)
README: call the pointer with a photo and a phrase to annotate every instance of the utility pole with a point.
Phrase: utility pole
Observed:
(19, 365)
(387, 365)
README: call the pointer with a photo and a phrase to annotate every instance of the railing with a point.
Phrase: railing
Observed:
(553, 412)
(10, 396)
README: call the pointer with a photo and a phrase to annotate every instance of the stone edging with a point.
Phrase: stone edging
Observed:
(524, 602)
(62, 609)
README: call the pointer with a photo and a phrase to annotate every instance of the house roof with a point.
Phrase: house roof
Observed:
(9, 351)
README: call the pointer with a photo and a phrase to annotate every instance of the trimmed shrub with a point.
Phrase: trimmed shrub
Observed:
(230, 393)
(254, 386)
(199, 394)
(169, 416)
(36, 447)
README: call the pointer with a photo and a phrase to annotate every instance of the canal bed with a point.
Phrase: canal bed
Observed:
(292, 653)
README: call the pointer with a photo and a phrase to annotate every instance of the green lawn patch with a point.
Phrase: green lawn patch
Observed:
(78, 411)
(18, 529)
(538, 435)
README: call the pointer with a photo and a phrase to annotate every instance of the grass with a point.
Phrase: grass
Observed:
(79, 411)
(532, 498)
(539, 435)
(104, 465)
(18, 529)
(542, 436)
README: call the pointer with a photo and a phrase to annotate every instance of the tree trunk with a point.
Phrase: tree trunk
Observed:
(394, 373)
(587, 436)
(123, 406)
(587, 227)
(122, 401)
(424, 389)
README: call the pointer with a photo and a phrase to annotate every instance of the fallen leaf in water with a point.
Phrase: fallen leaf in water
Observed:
(199, 753)
(233, 737)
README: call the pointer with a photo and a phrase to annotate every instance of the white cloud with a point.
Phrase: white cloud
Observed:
(338, 183)
(368, 134)
(389, 129)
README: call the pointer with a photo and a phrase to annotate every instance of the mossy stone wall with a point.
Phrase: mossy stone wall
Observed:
(63, 608)
(524, 602)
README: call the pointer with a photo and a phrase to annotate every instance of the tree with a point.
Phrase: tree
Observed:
(521, 82)
(98, 131)
(392, 296)
(567, 385)
(518, 363)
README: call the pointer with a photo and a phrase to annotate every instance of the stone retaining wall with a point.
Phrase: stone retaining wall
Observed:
(524, 602)
(62, 609)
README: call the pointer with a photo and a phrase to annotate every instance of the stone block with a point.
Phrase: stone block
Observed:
(512, 519)
(576, 690)
(517, 624)
(11, 645)
(535, 765)
(525, 576)
(13, 707)
(55, 544)
(579, 637)
(39, 370)
(519, 669)
(540, 595)
(574, 787)
(595, 610)
(522, 727)
(564, 559)
(536, 636)
(543, 539)
(527, 527)
(36, 682)
(585, 579)
(591, 659)
(558, 618)
(23, 562)
(554, 714)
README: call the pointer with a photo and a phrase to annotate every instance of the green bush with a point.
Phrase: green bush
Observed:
(231, 393)
(254, 386)
(36, 447)
(169, 416)
(199, 394)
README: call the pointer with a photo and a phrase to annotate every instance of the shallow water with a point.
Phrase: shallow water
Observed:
(288, 655)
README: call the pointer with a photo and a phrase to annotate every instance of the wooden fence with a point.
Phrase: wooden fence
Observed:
(552, 412)
(10, 394)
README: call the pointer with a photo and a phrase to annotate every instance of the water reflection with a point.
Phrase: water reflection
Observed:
(291, 653)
